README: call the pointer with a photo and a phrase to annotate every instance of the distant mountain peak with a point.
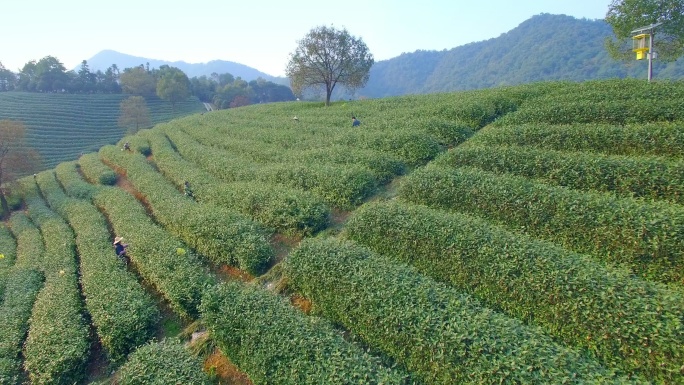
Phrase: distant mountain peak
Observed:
(105, 58)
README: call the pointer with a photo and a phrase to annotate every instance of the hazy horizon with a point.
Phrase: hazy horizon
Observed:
(69, 31)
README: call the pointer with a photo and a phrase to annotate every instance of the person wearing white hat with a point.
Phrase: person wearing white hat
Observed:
(120, 249)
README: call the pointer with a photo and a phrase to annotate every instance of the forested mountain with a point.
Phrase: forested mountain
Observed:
(544, 47)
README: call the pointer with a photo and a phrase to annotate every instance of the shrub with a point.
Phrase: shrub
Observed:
(413, 148)
(449, 133)
(8, 249)
(123, 314)
(441, 335)
(273, 342)
(575, 299)
(640, 177)
(660, 139)
(155, 253)
(612, 101)
(57, 346)
(29, 247)
(384, 165)
(343, 186)
(70, 178)
(137, 143)
(22, 288)
(162, 363)
(96, 171)
(223, 236)
(285, 209)
(648, 237)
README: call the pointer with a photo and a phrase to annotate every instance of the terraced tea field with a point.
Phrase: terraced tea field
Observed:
(62, 127)
(523, 235)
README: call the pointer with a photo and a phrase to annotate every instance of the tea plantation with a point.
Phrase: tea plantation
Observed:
(61, 127)
(523, 235)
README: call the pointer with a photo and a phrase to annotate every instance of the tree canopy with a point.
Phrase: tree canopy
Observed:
(85, 80)
(225, 91)
(625, 16)
(173, 85)
(7, 79)
(49, 75)
(327, 56)
(138, 81)
(46, 75)
(168, 83)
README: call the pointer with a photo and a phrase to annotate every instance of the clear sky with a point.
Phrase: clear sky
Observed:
(257, 33)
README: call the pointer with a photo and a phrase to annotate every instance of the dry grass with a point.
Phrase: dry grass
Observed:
(225, 372)
(301, 303)
(232, 273)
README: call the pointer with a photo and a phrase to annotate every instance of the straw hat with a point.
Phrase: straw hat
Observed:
(117, 240)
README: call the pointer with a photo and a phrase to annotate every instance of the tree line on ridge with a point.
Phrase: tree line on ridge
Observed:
(222, 90)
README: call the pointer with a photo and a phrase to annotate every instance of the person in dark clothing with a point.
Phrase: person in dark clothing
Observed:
(187, 190)
(355, 122)
(127, 146)
(120, 249)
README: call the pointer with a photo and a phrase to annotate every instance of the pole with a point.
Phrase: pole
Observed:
(650, 55)
(650, 29)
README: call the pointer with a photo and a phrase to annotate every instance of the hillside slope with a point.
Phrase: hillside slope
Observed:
(62, 127)
(543, 48)
(525, 234)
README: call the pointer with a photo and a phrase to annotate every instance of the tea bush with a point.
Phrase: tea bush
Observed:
(223, 236)
(441, 335)
(659, 139)
(576, 300)
(647, 237)
(22, 287)
(123, 314)
(165, 362)
(180, 279)
(282, 209)
(58, 345)
(642, 177)
(273, 342)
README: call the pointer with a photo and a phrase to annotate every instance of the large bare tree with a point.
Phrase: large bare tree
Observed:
(134, 114)
(327, 56)
(16, 158)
